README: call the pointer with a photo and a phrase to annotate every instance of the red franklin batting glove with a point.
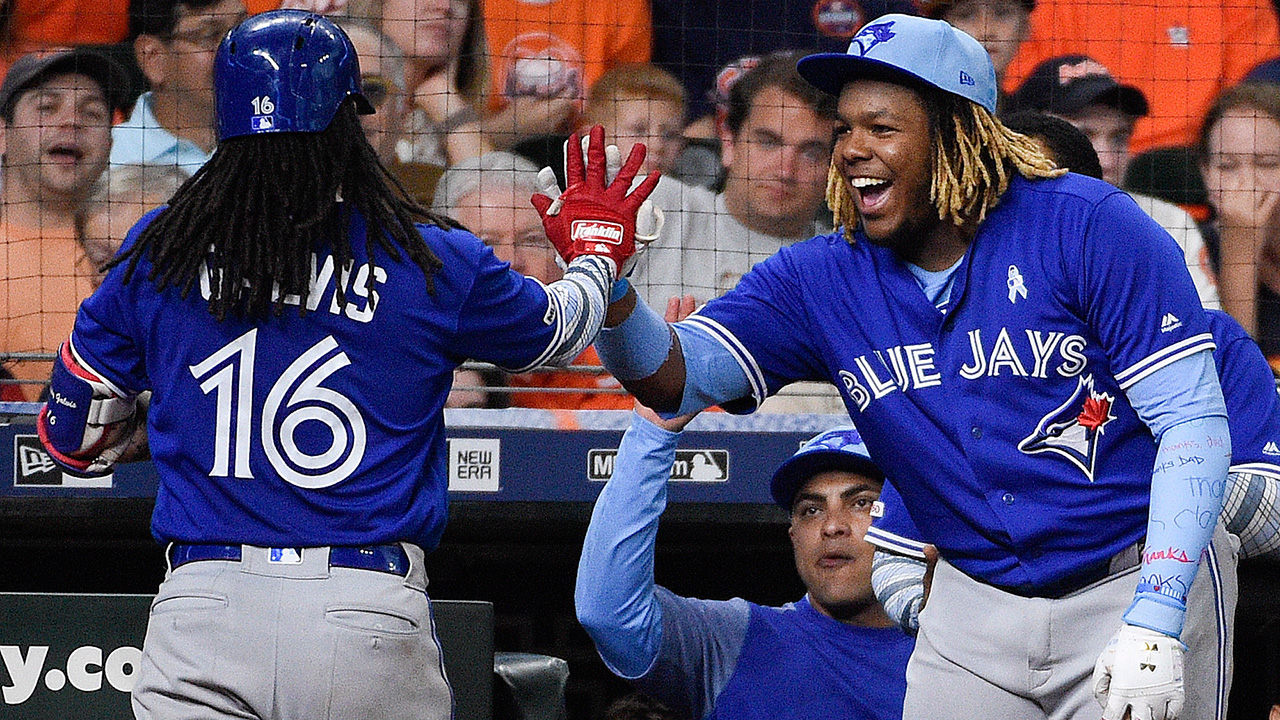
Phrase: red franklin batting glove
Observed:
(589, 218)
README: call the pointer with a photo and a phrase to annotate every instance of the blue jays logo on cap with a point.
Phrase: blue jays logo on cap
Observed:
(836, 449)
(898, 48)
(871, 36)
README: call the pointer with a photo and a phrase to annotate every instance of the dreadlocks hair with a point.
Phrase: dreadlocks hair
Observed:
(974, 157)
(252, 216)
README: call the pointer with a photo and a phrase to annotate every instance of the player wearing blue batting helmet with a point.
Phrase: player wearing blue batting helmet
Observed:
(838, 449)
(284, 71)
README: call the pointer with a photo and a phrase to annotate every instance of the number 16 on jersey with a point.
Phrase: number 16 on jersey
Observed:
(295, 398)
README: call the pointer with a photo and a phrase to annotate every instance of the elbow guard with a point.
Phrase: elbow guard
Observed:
(85, 414)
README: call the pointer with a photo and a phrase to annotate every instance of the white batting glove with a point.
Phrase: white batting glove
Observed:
(1140, 671)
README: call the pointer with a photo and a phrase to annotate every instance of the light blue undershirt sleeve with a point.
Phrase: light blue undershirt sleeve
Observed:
(712, 373)
(614, 595)
(1182, 404)
(637, 346)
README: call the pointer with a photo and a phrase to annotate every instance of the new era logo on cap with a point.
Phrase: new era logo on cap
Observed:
(595, 231)
(911, 48)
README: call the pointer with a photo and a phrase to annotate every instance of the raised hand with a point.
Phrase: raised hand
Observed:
(594, 216)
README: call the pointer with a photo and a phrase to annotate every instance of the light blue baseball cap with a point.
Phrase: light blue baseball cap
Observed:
(836, 449)
(896, 46)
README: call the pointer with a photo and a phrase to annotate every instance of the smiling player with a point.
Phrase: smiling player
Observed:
(1025, 356)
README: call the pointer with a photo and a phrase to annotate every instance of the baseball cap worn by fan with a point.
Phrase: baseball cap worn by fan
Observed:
(911, 50)
(836, 449)
(1068, 84)
(31, 69)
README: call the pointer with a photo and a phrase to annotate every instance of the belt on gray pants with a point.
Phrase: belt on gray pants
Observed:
(380, 558)
(1127, 559)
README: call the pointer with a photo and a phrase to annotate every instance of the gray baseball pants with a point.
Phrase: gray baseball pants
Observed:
(253, 639)
(986, 653)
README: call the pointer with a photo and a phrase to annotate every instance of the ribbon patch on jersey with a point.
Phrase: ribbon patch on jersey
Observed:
(1016, 285)
(1073, 429)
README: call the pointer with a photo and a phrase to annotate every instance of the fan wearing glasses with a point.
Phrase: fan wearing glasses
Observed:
(174, 42)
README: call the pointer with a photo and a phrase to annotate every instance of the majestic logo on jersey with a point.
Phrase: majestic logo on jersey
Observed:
(1017, 288)
(1074, 428)
(1169, 323)
(871, 36)
(1270, 449)
(595, 232)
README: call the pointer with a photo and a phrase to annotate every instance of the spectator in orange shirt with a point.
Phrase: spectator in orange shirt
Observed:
(55, 115)
(1179, 53)
(489, 195)
(544, 55)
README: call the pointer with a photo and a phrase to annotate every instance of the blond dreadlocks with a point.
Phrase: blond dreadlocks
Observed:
(973, 157)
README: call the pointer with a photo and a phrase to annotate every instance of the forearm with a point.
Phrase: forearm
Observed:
(639, 348)
(614, 594)
(898, 582)
(1238, 274)
(577, 307)
(1186, 500)
(1250, 512)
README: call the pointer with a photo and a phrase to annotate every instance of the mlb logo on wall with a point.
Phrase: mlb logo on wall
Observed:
(700, 466)
(32, 467)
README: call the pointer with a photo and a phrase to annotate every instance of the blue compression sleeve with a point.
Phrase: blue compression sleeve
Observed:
(614, 596)
(637, 347)
(1183, 405)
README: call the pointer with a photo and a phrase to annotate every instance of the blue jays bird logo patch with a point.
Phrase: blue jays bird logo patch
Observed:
(871, 36)
(1074, 428)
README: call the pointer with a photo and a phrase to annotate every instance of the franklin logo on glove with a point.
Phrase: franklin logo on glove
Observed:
(586, 231)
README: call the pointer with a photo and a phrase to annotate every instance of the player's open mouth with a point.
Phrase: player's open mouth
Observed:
(870, 192)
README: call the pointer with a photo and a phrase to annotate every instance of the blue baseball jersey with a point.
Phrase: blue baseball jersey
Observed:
(1001, 415)
(1253, 409)
(316, 429)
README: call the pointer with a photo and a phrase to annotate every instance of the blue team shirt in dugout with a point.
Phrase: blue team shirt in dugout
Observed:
(1001, 415)
(738, 660)
(317, 429)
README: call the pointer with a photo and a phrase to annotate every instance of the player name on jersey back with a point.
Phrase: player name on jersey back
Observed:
(361, 296)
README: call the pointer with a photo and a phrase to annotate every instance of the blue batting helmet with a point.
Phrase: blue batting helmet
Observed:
(836, 449)
(284, 71)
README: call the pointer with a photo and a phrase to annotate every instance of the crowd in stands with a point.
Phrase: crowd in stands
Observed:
(474, 96)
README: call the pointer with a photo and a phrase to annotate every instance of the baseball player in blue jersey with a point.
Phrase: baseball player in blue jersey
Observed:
(1250, 511)
(832, 654)
(1023, 352)
(299, 333)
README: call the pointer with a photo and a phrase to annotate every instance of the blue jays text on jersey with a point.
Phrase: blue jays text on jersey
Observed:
(317, 429)
(1001, 413)
(1253, 409)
